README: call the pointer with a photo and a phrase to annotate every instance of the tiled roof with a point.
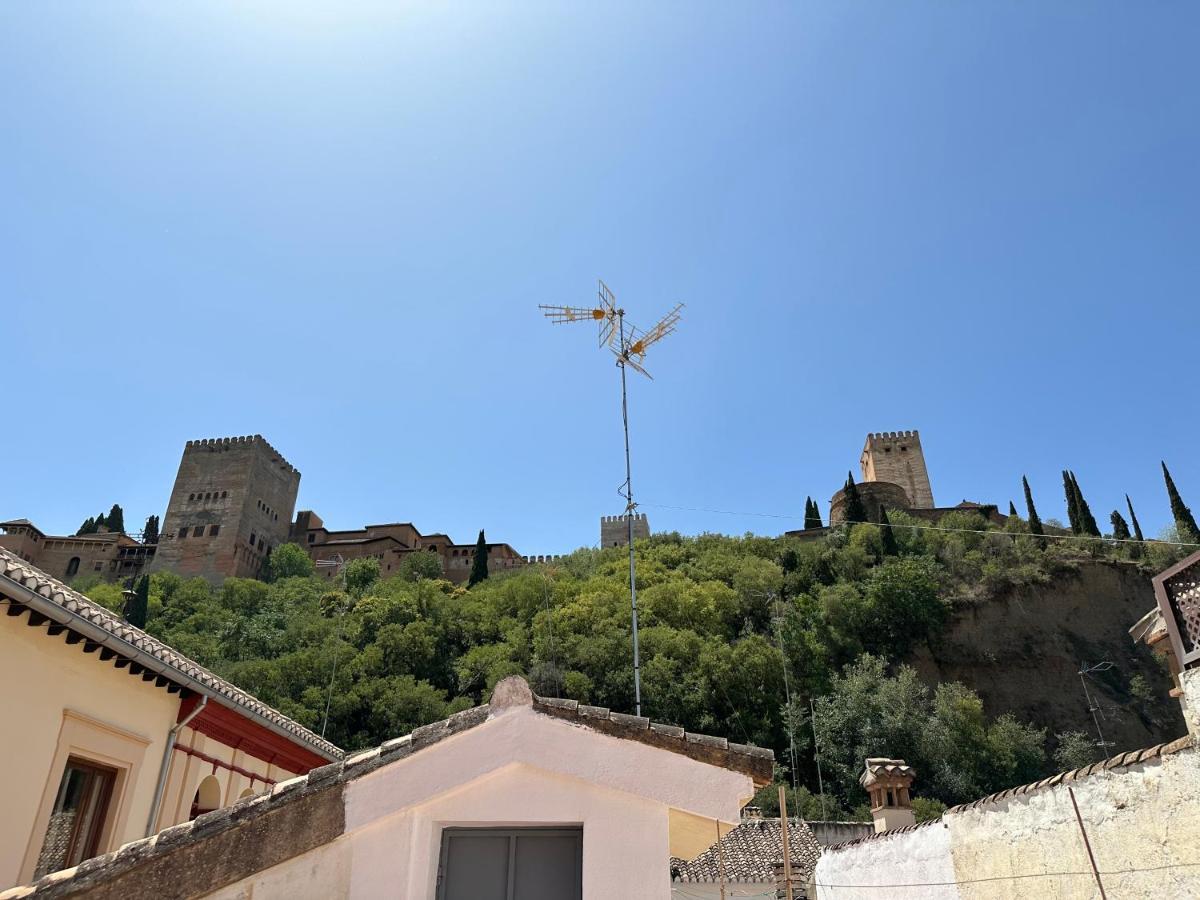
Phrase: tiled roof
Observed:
(878, 766)
(751, 851)
(1120, 761)
(14, 569)
(756, 762)
(511, 691)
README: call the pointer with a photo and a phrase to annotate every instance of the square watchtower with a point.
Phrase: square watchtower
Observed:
(896, 456)
(231, 505)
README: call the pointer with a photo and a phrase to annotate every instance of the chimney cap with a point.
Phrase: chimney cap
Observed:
(880, 768)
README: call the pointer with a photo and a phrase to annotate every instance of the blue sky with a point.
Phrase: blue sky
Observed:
(332, 224)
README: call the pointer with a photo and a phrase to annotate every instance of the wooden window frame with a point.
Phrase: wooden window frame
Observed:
(94, 742)
(108, 776)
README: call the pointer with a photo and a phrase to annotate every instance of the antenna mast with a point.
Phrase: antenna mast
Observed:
(629, 345)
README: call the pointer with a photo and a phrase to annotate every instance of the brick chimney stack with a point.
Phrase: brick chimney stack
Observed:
(886, 782)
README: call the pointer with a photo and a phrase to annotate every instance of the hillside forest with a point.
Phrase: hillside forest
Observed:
(731, 627)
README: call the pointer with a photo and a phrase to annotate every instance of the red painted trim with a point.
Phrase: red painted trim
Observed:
(233, 729)
(253, 776)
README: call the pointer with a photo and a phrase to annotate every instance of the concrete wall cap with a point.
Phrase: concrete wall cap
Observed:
(509, 693)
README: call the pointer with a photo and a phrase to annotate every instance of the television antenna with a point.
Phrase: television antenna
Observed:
(629, 345)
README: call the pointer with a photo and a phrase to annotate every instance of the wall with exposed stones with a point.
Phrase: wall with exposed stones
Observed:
(1139, 810)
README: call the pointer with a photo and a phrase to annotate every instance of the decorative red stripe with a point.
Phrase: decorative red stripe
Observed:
(253, 776)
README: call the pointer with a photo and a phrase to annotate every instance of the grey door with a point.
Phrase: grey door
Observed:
(511, 864)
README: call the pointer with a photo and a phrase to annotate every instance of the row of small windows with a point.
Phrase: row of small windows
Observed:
(271, 514)
(261, 545)
(209, 495)
(198, 531)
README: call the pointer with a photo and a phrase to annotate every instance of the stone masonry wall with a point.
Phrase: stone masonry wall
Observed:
(614, 530)
(232, 502)
(896, 456)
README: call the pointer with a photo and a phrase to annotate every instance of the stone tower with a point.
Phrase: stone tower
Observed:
(896, 456)
(614, 530)
(232, 503)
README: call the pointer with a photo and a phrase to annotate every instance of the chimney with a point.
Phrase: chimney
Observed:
(751, 812)
(887, 782)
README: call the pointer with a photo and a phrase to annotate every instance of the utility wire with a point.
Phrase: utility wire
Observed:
(1022, 877)
(1055, 537)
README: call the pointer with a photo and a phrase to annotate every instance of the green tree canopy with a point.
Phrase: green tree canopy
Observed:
(479, 564)
(150, 530)
(137, 607)
(116, 519)
(1119, 526)
(289, 561)
(1184, 521)
(1035, 523)
(1137, 528)
(853, 508)
(812, 514)
(417, 565)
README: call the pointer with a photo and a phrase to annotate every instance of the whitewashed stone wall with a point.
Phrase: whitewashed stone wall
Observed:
(870, 870)
(1142, 819)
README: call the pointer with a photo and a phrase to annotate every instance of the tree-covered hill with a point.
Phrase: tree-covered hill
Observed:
(728, 627)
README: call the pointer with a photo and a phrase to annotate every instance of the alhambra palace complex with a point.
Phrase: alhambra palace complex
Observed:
(234, 501)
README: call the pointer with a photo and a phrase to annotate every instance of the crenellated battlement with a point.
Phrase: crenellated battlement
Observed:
(897, 457)
(224, 443)
(608, 520)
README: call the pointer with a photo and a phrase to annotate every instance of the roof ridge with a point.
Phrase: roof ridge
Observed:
(15, 569)
(715, 751)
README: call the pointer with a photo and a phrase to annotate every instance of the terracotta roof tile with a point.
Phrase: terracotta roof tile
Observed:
(750, 852)
(14, 569)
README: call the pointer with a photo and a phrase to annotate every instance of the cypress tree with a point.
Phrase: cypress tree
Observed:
(1185, 523)
(150, 531)
(1120, 527)
(137, 607)
(1035, 524)
(1012, 510)
(1087, 522)
(854, 510)
(812, 514)
(890, 547)
(479, 569)
(101, 522)
(88, 526)
(1137, 529)
(1072, 503)
(116, 519)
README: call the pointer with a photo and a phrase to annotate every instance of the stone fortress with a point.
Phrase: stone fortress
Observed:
(233, 502)
(894, 476)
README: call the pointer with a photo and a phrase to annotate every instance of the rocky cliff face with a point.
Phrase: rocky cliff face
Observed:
(1022, 652)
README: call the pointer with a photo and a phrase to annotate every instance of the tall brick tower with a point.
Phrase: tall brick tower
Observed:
(232, 503)
(896, 456)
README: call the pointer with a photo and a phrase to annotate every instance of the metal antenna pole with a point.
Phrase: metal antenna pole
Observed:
(630, 506)
(629, 347)
(333, 675)
(812, 710)
(787, 693)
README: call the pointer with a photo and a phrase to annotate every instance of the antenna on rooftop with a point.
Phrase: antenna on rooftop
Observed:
(629, 345)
